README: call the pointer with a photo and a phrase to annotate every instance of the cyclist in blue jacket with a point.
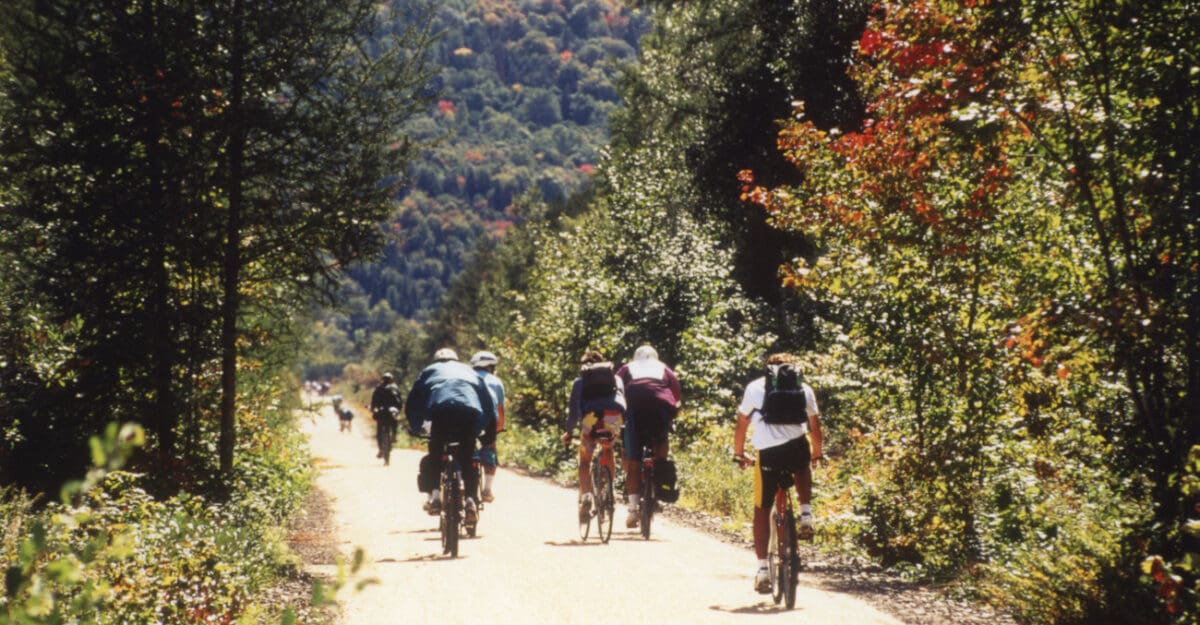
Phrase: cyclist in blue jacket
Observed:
(458, 406)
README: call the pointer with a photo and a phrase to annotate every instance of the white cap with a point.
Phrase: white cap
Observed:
(445, 353)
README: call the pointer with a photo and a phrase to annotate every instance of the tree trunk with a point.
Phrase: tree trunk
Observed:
(162, 417)
(231, 270)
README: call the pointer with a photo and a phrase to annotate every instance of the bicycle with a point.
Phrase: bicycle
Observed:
(603, 498)
(451, 515)
(385, 433)
(783, 551)
(647, 490)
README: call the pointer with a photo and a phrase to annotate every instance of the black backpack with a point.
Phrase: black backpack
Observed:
(599, 381)
(784, 401)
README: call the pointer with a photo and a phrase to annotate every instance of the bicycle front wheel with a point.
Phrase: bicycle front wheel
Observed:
(603, 499)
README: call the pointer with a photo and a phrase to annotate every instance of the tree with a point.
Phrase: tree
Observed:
(177, 166)
(305, 160)
(715, 81)
(1003, 232)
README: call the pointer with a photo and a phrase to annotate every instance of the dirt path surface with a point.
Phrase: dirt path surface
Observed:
(528, 564)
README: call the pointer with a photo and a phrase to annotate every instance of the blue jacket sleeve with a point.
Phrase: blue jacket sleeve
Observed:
(417, 403)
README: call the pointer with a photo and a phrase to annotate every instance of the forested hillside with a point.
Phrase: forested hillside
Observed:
(522, 103)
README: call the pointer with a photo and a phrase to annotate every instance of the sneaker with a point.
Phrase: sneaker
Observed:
(471, 515)
(631, 521)
(807, 528)
(762, 581)
(433, 506)
(585, 508)
(487, 496)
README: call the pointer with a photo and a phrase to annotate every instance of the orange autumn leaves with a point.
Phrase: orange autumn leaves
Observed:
(926, 73)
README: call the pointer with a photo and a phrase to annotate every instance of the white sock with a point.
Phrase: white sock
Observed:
(487, 481)
(634, 500)
(435, 496)
(805, 508)
(762, 563)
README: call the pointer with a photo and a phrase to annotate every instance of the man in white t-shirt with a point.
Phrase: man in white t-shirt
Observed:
(780, 446)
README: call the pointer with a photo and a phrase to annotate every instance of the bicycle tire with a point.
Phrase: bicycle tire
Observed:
(451, 512)
(773, 559)
(603, 500)
(384, 438)
(789, 558)
(648, 501)
(473, 527)
(586, 524)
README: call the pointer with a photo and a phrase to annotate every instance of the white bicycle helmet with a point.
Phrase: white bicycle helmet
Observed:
(483, 359)
(645, 352)
(445, 353)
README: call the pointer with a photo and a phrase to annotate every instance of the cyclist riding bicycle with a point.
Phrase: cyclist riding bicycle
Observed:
(459, 407)
(597, 401)
(385, 397)
(652, 393)
(484, 364)
(782, 412)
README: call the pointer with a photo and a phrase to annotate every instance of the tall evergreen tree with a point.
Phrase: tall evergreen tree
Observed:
(171, 165)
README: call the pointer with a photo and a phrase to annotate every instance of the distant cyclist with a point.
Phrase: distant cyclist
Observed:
(485, 365)
(386, 406)
(782, 412)
(456, 403)
(597, 400)
(652, 394)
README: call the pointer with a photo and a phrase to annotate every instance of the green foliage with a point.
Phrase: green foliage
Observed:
(1177, 580)
(540, 451)
(522, 103)
(710, 482)
(174, 175)
(977, 246)
(111, 552)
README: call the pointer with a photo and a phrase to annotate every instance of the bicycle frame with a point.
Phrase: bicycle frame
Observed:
(603, 474)
(785, 556)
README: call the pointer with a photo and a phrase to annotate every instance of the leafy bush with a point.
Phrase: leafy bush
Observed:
(113, 553)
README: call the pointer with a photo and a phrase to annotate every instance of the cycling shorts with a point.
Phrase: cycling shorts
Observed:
(777, 466)
(610, 420)
(647, 427)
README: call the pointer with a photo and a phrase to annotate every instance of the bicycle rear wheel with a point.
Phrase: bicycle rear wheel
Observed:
(384, 435)
(788, 558)
(774, 559)
(648, 502)
(603, 500)
(451, 512)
